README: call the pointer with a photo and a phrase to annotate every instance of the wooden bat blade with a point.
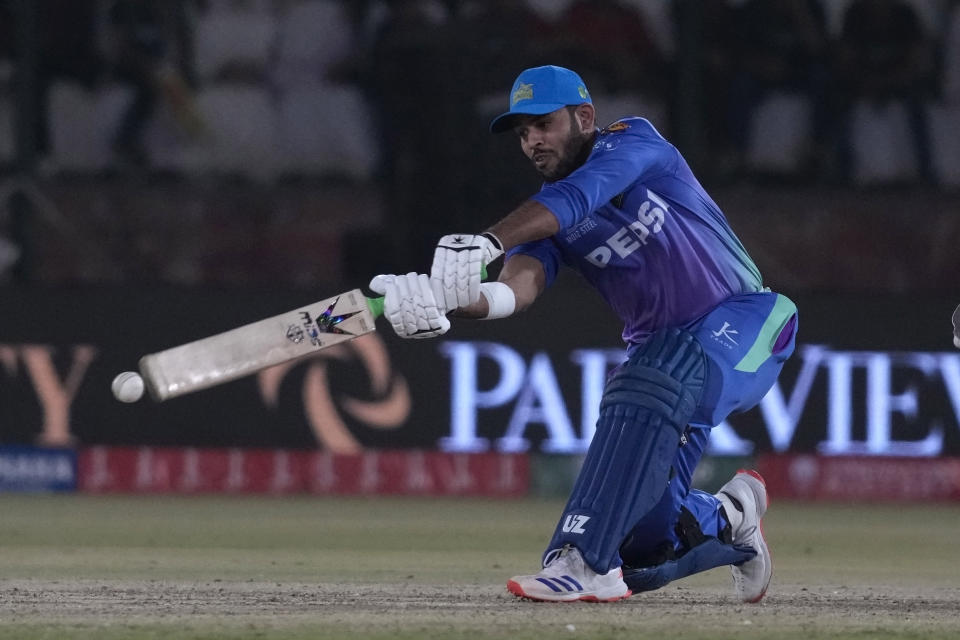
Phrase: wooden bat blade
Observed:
(245, 350)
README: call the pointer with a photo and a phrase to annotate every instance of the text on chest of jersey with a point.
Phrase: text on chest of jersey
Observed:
(651, 215)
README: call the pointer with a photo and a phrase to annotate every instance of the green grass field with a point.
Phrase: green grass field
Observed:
(202, 567)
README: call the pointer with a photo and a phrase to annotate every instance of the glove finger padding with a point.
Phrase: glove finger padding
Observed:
(458, 265)
(403, 312)
(379, 283)
(457, 271)
(428, 317)
(410, 306)
(392, 301)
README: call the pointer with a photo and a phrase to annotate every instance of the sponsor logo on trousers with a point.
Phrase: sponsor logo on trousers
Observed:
(574, 524)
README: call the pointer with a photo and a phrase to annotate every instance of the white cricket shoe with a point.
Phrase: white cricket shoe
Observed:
(567, 578)
(745, 501)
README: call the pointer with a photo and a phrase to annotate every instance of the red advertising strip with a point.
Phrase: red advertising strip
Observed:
(280, 471)
(861, 478)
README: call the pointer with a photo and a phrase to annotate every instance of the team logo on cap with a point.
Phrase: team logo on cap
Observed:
(582, 90)
(523, 92)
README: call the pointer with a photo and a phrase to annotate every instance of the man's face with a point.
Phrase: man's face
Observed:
(554, 142)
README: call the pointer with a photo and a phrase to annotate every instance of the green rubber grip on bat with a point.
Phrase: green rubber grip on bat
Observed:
(376, 304)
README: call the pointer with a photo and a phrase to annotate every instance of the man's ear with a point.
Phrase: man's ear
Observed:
(586, 117)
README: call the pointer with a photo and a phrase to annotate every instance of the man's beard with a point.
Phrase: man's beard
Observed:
(570, 158)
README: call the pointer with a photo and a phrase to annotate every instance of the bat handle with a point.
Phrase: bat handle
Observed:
(376, 304)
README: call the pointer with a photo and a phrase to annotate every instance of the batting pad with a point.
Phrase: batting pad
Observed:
(710, 554)
(645, 408)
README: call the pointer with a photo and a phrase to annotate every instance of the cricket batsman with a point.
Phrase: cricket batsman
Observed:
(704, 338)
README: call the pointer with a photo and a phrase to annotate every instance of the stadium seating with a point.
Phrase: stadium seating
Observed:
(883, 147)
(325, 130)
(946, 143)
(242, 124)
(7, 112)
(325, 126)
(314, 35)
(779, 134)
(7, 140)
(234, 40)
(611, 106)
(82, 124)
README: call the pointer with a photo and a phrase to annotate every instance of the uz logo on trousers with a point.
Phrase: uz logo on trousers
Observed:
(574, 524)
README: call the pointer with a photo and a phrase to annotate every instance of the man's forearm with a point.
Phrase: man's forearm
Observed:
(528, 222)
(476, 311)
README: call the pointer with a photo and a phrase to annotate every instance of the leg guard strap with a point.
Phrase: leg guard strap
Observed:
(707, 555)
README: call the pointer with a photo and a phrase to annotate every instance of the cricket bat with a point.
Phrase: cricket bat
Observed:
(245, 350)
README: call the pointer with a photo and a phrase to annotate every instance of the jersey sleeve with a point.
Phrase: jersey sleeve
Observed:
(543, 250)
(618, 160)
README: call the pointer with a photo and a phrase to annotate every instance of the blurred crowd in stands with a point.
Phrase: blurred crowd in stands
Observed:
(398, 93)
(799, 88)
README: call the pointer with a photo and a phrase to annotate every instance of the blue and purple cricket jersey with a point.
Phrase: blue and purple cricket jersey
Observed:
(641, 229)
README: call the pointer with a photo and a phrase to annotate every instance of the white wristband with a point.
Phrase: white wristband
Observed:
(500, 299)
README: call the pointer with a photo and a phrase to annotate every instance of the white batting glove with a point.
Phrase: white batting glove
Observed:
(410, 306)
(458, 263)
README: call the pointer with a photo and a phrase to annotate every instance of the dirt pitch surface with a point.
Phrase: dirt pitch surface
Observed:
(113, 568)
(257, 609)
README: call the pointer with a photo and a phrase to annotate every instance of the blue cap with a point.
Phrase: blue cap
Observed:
(541, 90)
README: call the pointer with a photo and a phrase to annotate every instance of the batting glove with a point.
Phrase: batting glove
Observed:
(458, 262)
(410, 306)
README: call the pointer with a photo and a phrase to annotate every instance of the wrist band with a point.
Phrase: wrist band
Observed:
(500, 299)
(493, 239)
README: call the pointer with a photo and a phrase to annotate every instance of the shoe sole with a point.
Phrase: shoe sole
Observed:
(763, 538)
(515, 588)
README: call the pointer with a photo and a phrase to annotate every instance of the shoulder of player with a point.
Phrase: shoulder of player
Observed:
(633, 125)
(629, 132)
(640, 141)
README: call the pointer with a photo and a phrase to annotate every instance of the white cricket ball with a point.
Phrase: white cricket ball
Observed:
(127, 387)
